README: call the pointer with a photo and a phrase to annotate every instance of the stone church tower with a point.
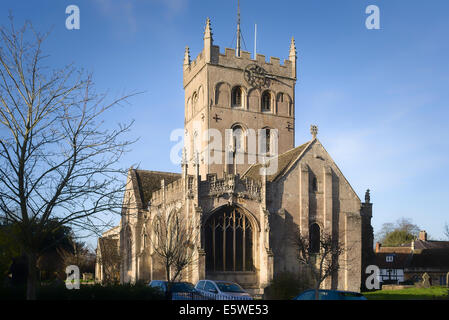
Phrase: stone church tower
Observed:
(244, 185)
(231, 92)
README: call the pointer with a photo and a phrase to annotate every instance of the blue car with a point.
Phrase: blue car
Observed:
(330, 295)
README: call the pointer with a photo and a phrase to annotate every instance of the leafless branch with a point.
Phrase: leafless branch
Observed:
(58, 156)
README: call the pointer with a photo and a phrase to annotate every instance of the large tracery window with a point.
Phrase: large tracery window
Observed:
(229, 242)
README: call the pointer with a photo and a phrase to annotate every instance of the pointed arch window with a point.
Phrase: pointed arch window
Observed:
(129, 250)
(195, 102)
(314, 238)
(314, 184)
(228, 241)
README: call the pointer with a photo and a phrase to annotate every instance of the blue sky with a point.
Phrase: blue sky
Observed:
(379, 97)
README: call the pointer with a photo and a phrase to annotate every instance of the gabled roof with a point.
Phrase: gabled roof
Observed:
(285, 160)
(400, 260)
(146, 182)
(421, 244)
(422, 254)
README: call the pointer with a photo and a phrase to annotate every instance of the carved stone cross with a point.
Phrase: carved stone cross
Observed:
(216, 118)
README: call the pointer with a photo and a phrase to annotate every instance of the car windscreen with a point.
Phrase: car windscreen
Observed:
(229, 287)
(182, 287)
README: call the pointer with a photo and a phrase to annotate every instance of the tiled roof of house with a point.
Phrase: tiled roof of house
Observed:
(402, 249)
(421, 244)
(284, 161)
(418, 254)
(430, 258)
(400, 260)
(149, 181)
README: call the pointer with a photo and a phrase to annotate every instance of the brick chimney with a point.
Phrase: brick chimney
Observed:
(423, 235)
(378, 245)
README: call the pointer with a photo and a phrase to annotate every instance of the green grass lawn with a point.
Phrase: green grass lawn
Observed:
(433, 293)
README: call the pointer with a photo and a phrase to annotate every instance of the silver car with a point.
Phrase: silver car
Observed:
(222, 290)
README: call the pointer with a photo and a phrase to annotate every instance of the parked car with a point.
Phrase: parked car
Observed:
(178, 290)
(330, 295)
(222, 290)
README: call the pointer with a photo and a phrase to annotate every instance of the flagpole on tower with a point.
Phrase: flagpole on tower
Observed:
(255, 41)
(238, 48)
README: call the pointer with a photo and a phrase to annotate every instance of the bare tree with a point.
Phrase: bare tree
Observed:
(446, 230)
(80, 255)
(321, 261)
(395, 234)
(174, 239)
(57, 159)
(108, 256)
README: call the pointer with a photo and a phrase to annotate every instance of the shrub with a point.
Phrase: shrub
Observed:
(86, 292)
(287, 285)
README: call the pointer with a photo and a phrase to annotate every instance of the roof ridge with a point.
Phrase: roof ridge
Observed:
(290, 164)
(279, 157)
(153, 171)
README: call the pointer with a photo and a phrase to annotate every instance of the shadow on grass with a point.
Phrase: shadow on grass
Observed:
(433, 293)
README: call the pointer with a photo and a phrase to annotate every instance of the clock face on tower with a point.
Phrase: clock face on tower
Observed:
(256, 76)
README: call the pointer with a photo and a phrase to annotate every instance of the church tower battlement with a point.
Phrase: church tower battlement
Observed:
(211, 55)
(230, 91)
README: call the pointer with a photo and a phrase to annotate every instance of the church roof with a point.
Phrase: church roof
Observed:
(284, 161)
(149, 181)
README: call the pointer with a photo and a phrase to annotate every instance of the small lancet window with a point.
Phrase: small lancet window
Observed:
(314, 184)
(314, 238)
(267, 140)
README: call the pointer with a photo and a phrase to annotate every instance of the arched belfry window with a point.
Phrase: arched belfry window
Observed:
(229, 241)
(195, 102)
(314, 238)
(267, 135)
(237, 97)
(239, 138)
(266, 101)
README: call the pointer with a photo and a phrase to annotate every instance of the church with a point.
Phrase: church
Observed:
(247, 193)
